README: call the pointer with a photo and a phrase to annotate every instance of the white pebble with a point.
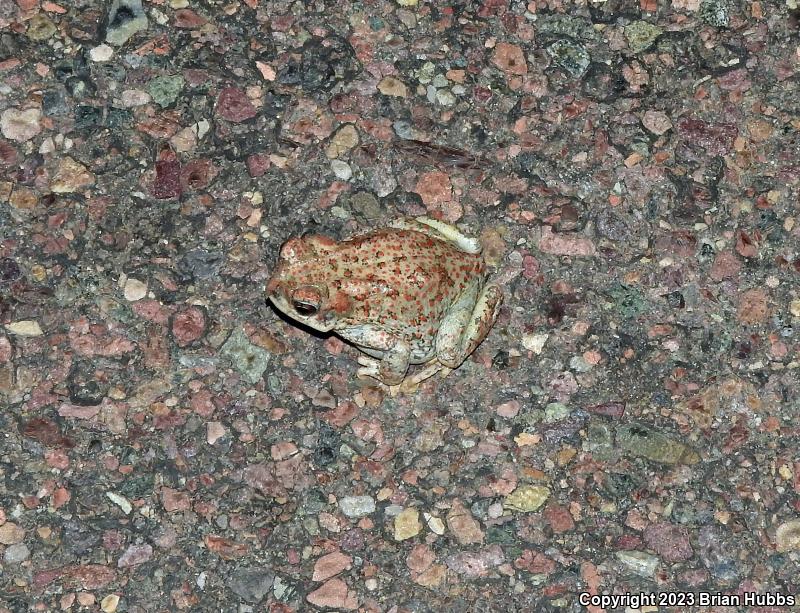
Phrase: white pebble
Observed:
(341, 169)
(134, 290)
(101, 53)
(26, 327)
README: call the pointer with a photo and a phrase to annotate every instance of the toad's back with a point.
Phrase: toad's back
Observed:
(401, 280)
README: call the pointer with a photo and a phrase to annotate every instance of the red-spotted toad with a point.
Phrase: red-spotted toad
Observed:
(415, 292)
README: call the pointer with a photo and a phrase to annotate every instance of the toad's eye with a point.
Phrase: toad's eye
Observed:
(306, 300)
(305, 308)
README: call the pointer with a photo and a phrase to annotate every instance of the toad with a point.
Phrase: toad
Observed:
(415, 292)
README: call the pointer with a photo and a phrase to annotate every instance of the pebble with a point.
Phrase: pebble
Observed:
(26, 327)
(101, 53)
(186, 18)
(753, 306)
(110, 603)
(555, 411)
(167, 182)
(11, 534)
(392, 86)
(135, 555)
(331, 565)
(509, 409)
(434, 187)
(639, 562)
(86, 599)
(565, 244)
(640, 440)
(282, 589)
(125, 18)
(440, 80)
(406, 131)
(15, 554)
(656, 122)
(165, 89)
(716, 13)
(570, 56)
(188, 326)
(251, 584)
(248, 359)
(445, 97)
(641, 35)
(334, 594)
(120, 501)
(669, 541)
(70, 176)
(23, 199)
(257, 164)
(40, 28)
(476, 563)
(430, 93)
(510, 59)
(131, 98)
(20, 125)
(341, 169)
(435, 524)
(134, 289)
(787, 536)
(526, 498)
(357, 506)
(214, 431)
(185, 140)
(407, 524)
(233, 105)
(382, 180)
(465, 528)
(535, 342)
(9, 271)
(343, 141)
(365, 204)
(719, 554)
(425, 73)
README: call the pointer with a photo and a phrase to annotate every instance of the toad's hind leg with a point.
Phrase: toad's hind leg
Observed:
(467, 324)
(438, 230)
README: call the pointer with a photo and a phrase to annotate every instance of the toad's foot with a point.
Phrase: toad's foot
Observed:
(410, 385)
(370, 367)
(391, 370)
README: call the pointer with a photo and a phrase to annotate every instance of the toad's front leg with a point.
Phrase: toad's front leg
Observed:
(391, 369)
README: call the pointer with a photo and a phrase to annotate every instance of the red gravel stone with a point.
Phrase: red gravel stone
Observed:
(257, 164)
(330, 565)
(669, 541)
(558, 518)
(234, 105)
(334, 594)
(188, 19)
(535, 563)
(135, 555)
(188, 326)
(715, 138)
(174, 500)
(434, 188)
(510, 59)
(168, 180)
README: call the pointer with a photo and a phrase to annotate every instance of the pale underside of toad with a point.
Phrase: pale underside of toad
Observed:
(415, 292)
